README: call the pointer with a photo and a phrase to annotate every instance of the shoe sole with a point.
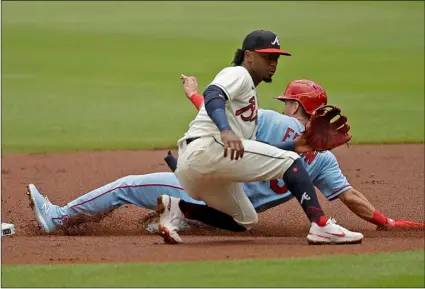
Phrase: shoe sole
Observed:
(40, 220)
(163, 231)
(334, 243)
(328, 242)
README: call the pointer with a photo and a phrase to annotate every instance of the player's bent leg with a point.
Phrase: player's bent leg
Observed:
(203, 161)
(196, 174)
(230, 199)
(262, 162)
(228, 208)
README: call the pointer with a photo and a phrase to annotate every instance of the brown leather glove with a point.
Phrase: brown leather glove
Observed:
(322, 133)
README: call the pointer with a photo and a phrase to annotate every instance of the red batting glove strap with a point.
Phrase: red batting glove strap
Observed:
(197, 100)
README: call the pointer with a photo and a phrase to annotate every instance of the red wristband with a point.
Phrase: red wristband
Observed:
(379, 219)
(197, 100)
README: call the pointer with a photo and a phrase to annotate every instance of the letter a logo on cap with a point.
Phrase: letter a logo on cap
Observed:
(276, 41)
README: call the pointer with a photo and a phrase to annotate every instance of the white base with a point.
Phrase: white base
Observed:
(7, 229)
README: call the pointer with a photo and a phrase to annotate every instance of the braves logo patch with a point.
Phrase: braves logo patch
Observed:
(249, 112)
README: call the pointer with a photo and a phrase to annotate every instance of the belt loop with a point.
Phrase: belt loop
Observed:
(182, 146)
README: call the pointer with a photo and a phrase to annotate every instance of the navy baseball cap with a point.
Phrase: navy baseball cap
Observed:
(263, 41)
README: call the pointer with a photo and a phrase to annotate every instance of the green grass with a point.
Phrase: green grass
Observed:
(378, 270)
(104, 75)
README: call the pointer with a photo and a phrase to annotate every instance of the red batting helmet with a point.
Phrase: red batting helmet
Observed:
(310, 94)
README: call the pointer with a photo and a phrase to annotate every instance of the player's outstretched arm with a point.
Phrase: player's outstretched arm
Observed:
(361, 206)
(331, 181)
(190, 86)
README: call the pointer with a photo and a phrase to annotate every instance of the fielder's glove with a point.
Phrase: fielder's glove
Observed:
(322, 133)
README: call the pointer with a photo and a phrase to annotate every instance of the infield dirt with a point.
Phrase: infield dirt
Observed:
(390, 176)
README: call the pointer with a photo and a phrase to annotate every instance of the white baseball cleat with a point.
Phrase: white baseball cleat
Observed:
(43, 209)
(170, 218)
(332, 233)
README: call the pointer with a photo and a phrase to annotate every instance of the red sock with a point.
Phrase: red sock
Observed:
(378, 218)
(322, 221)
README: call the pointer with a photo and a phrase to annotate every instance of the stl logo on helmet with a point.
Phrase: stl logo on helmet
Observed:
(251, 107)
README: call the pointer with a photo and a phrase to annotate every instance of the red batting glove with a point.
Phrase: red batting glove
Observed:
(383, 223)
(391, 223)
(405, 224)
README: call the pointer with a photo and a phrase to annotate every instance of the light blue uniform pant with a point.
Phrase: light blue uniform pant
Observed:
(139, 190)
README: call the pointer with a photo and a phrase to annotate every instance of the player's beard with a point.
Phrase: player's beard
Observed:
(267, 79)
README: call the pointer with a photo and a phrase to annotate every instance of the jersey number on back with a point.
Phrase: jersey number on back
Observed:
(274, 185)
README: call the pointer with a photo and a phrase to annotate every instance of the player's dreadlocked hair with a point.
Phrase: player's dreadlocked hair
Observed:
(238, 59)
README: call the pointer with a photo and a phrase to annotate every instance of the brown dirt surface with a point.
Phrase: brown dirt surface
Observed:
(390, 176)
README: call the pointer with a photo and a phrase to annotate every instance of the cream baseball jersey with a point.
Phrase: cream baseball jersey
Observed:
(241, 106)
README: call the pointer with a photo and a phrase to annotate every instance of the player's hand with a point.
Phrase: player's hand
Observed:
(402, 224)
(232, 142)
(190, 85)
(301, 145)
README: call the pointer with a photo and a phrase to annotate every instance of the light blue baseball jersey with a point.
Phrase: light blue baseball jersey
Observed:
(143, 190)
(322, 168)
